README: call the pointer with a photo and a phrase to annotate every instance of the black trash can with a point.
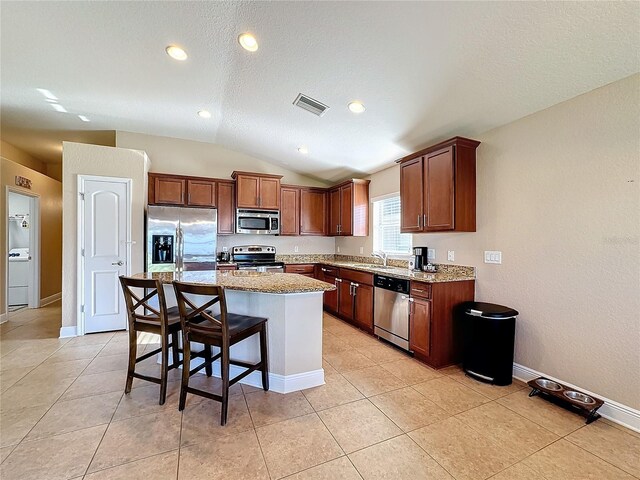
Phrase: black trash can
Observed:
(488, 334)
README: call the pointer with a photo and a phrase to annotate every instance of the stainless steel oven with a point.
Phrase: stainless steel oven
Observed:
(258, 222)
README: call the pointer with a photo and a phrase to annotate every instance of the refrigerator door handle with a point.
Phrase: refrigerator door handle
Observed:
(180, 250)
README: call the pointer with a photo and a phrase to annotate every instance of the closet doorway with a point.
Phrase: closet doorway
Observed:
(23, 245)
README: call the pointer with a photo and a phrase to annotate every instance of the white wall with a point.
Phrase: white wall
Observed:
(83, 159)
(284, 245)
(559, 195)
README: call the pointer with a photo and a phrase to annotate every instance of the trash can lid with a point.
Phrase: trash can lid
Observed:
(490, 310)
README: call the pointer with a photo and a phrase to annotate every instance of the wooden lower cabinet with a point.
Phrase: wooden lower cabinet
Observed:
(331, 298)
(307, 270)
(420, 326)
(353, 298)
(363, 306)
(345, 299)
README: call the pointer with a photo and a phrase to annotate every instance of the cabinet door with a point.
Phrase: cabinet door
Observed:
(345, 299)
(201, 193)
(363, 309)
(346, 210)
(438, 187)
(331, 298)
(169, 191)
(290, 211)
(269, 193)
(334, 212)
(420, 326)
(248, 191)
(226, 208)
(411, 196)
(313, 212)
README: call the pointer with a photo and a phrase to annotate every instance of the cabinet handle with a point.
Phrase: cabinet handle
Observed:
(411, 300)
(424, 220)
(418, 221)
(339, 280)
(324, 269)
(189, 198)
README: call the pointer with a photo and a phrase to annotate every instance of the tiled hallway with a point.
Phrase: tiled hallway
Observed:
(381, 415)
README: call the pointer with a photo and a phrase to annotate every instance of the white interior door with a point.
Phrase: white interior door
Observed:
(104, 240)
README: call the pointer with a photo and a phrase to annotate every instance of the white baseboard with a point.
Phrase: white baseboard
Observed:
(4, 317)
(66, 332)
(50, 299)
(614, 411)
(277, 383)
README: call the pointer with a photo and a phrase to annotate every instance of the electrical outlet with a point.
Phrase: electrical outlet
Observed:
(361, 250)
(431, 254)
(338, 249)
(451, 255)
(295, 249)
(492, 257)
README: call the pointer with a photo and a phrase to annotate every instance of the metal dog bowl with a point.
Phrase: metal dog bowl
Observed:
(579, 397)
(548, 384)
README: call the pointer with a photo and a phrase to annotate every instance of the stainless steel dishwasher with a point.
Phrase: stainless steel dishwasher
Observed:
(391, 310)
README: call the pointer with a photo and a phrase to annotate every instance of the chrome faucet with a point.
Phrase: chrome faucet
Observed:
(382, 255)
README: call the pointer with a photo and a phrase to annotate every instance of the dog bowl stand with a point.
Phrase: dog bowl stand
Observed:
(557, 397)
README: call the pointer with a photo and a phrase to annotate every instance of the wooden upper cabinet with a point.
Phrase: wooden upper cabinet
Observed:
(334, 211)
(411, 189)
(201, 193)
(289, 211)
(438, 188)
(346, 210)
(256, 190)
(313, 211)
(349, 209)
(166, 190)
(225, 201)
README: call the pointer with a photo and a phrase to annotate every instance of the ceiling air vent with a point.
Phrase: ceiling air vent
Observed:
(310, 105)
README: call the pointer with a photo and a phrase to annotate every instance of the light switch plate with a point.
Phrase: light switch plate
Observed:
(431, 254)
(361, 249)
(492, 256)
(451, 255)
(295, 249)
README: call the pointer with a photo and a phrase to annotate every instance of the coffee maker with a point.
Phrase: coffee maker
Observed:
(420, 260)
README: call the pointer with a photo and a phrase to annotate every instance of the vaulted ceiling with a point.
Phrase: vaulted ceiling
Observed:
(424, 71)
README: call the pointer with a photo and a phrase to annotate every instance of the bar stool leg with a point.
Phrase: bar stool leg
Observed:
(133, 353)
(207, 358)
(186, 362)
(165, 369)
(264, 358)
(224, 373)
(175, 345)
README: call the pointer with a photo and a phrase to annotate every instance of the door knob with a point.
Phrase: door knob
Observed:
(119, 263)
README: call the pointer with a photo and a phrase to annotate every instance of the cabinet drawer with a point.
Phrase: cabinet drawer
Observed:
(226, 267)
(419, 289)
(330, 271)
(301, 269)
(356, 276)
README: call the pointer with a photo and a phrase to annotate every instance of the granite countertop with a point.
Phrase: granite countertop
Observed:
(248, 281)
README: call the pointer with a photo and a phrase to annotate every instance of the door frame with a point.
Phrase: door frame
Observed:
(80, 239)
(34, 247)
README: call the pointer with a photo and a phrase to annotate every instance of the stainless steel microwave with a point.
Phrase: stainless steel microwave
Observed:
(258, 222)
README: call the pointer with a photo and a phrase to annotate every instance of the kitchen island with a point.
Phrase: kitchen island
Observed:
(293, 305)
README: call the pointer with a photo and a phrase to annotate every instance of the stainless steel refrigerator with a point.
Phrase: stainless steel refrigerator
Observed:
(181, 238)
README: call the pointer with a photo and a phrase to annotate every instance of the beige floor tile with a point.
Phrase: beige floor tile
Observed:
(519, 471)
(214, 385)
(336, 391)
(91, 339)
(397, 459)
(358, 424)
(564, 460)
(108, 364)
(381, 353)
(271, 407)
(348, 360)
(248, 388)
(373, 380)
(96, 383)
(451, 370)
(463, 452)
(611, 444)
(328, 369)
(340, 468)
(144, 401)
(15, 424)
(27, 356)
(490, 391)
(409, 409)
(117, 347)
(136, 438)
(359, 340)
(229, 457)
(340, 328)
(34, 393)
(8, 378)
(334, 344)
(514, 433)
(410, 371)
(544, 413)
(49, 371)
(72, 415)
(619, 427)
(201, 420)
(296, 444)
(450, 395)
(53, 458)
(75, 352)
(5, 451)
(158, 467)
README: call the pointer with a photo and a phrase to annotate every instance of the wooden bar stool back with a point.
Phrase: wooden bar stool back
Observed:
(157, 319)
(222, 331)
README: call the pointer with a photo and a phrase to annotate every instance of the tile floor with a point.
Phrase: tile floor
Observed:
(381, 415)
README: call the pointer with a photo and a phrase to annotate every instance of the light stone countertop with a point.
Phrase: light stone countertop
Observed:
(248, 281)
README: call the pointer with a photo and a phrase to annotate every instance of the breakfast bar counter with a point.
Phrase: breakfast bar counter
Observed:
(293, 305)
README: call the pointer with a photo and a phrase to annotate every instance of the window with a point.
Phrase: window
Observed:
(386, 227)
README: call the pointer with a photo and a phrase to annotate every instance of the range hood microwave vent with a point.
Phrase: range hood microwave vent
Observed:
(310, 105)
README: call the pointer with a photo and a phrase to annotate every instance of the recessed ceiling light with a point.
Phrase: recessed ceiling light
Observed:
(356, 107)
(83, 118)
(303, 150)
(47, 94)
(58, 107)
(176, 53)
(204, 114)
(248, 42)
